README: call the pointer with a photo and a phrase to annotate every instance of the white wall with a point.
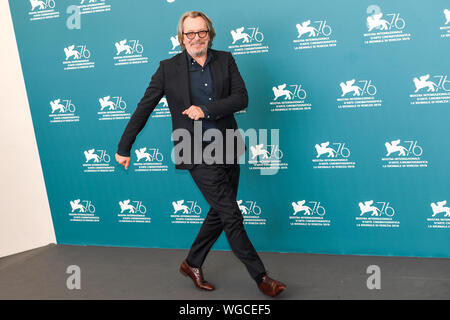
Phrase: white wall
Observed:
(25, 220)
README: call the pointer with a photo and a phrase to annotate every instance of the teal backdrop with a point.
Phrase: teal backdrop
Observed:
(359, 91)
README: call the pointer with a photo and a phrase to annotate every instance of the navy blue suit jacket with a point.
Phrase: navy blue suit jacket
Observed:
(172, 80)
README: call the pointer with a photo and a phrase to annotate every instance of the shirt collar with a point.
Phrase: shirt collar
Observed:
(209, 56)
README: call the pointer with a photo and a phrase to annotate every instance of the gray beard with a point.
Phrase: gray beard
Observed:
(199, 53)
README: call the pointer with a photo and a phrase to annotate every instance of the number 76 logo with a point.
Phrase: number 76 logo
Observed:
(250, 208)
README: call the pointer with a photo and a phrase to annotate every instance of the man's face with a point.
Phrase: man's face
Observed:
(196, 47)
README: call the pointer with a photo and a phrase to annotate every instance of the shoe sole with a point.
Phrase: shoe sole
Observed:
(183, 273)
(274, 295)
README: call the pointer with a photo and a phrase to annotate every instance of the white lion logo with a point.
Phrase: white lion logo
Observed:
(323, 149)
(125, 205)
(175, 42)
(56, 105)
(141, 154)
(37, 3)
(422, 82)
(121, 46)
(375, 22)
(69, 51)
(304, 28)
(299, 207)
(439, 208)
(243, 208)
(447, 16)
(280, 91)
(258, 150)
(238, 35)
(91, 155)
(178, 205)
(394, 147)
(104, 102)
(75, 204)
(349, 87)
(367, 207)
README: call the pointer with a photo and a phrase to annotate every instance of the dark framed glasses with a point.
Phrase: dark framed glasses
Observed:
(201, 34)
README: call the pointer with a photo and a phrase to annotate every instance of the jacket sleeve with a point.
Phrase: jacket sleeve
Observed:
(237, 99)
(151, 98)
(205, 111)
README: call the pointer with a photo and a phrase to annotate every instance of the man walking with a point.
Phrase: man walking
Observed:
(202, 83)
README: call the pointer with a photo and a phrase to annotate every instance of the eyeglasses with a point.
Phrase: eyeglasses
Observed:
(191, 35)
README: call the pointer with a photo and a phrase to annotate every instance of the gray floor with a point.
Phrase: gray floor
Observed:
(143, 273)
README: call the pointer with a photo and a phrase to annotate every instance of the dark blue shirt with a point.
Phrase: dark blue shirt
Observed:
(202, 87)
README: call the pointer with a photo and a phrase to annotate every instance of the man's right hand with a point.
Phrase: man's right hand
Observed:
(125, 161)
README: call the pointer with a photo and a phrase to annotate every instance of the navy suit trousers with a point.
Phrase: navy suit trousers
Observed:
(219, 186)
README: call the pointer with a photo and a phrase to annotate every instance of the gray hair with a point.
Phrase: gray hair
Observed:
(195, 14)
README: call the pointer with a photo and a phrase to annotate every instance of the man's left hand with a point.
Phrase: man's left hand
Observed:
(194, 112)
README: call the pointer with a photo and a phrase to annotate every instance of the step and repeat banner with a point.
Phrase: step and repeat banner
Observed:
(359, 92)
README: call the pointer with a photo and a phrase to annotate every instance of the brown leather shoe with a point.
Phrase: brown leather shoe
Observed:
(271, 287)
(196, 275)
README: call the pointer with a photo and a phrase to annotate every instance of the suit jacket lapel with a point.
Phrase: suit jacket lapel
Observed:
(216, 76)
(184, 86)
